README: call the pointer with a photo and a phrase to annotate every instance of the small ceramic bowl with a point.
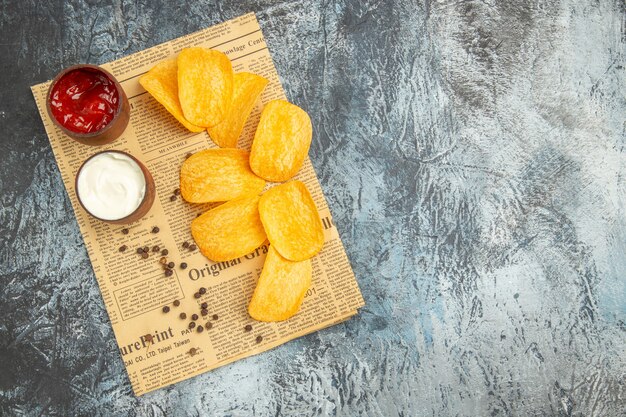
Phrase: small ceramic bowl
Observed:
(144, 206)
(113, 129)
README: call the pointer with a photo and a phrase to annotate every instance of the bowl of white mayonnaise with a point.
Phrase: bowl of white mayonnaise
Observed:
(115, 187)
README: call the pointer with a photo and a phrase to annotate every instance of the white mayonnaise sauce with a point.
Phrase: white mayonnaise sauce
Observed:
(111, 185)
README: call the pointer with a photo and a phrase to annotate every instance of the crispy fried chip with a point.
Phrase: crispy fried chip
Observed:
(246, 91)
(205, 85)
(162, 84)
(281, 141)
(291, 221)
(218, 175)
(281, 288)
(229, 230)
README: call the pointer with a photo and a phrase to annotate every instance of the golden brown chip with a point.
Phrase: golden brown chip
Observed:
(205, 85)
(281, 141)
(218, 175)
(291, 221)
(162, 84)
(229, 230)
(246, 91)
(281, 288)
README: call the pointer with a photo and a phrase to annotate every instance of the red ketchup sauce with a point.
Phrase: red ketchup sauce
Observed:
(84, 100)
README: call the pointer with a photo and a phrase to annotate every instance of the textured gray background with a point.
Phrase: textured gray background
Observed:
(473, 154)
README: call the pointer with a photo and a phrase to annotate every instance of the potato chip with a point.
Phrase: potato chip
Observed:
(230, 230)
(291, 221)
(205, 85)
(247, 89)
(162, 84)
(281, 141)
(218, 175)
(281, 288)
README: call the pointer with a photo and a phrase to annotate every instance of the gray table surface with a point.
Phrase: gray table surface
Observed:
(473, 155)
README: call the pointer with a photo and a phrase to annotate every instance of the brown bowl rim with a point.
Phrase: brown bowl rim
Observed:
(118, 111)
(123, 220)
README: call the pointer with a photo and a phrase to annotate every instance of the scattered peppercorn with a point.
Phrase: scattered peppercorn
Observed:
(163, 260)
(146, 249)
(215, 317)
(183, 265)
(182, 316)
(202, 290)
(185, 244)
(194, 317)
(196, 295)
(155, 229)
(176, 303)
(208, 325)
(123, 248)
(148, 337)
(192, 324)
(155, 249)
(204, 305)
(259, 339)
(193, 351)
(193, 247)
(125, 231)
(168, 272)
(177, 191)
(145, 255)
(171, 265)
(204, 312)
(199, 329)
(248, 328)
(166, 309)
(173, 198)
(140, 250)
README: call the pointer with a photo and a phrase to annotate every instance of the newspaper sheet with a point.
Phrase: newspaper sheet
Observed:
(135, 289)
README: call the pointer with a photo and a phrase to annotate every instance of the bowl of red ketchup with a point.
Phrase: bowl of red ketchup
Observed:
(88, 104)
